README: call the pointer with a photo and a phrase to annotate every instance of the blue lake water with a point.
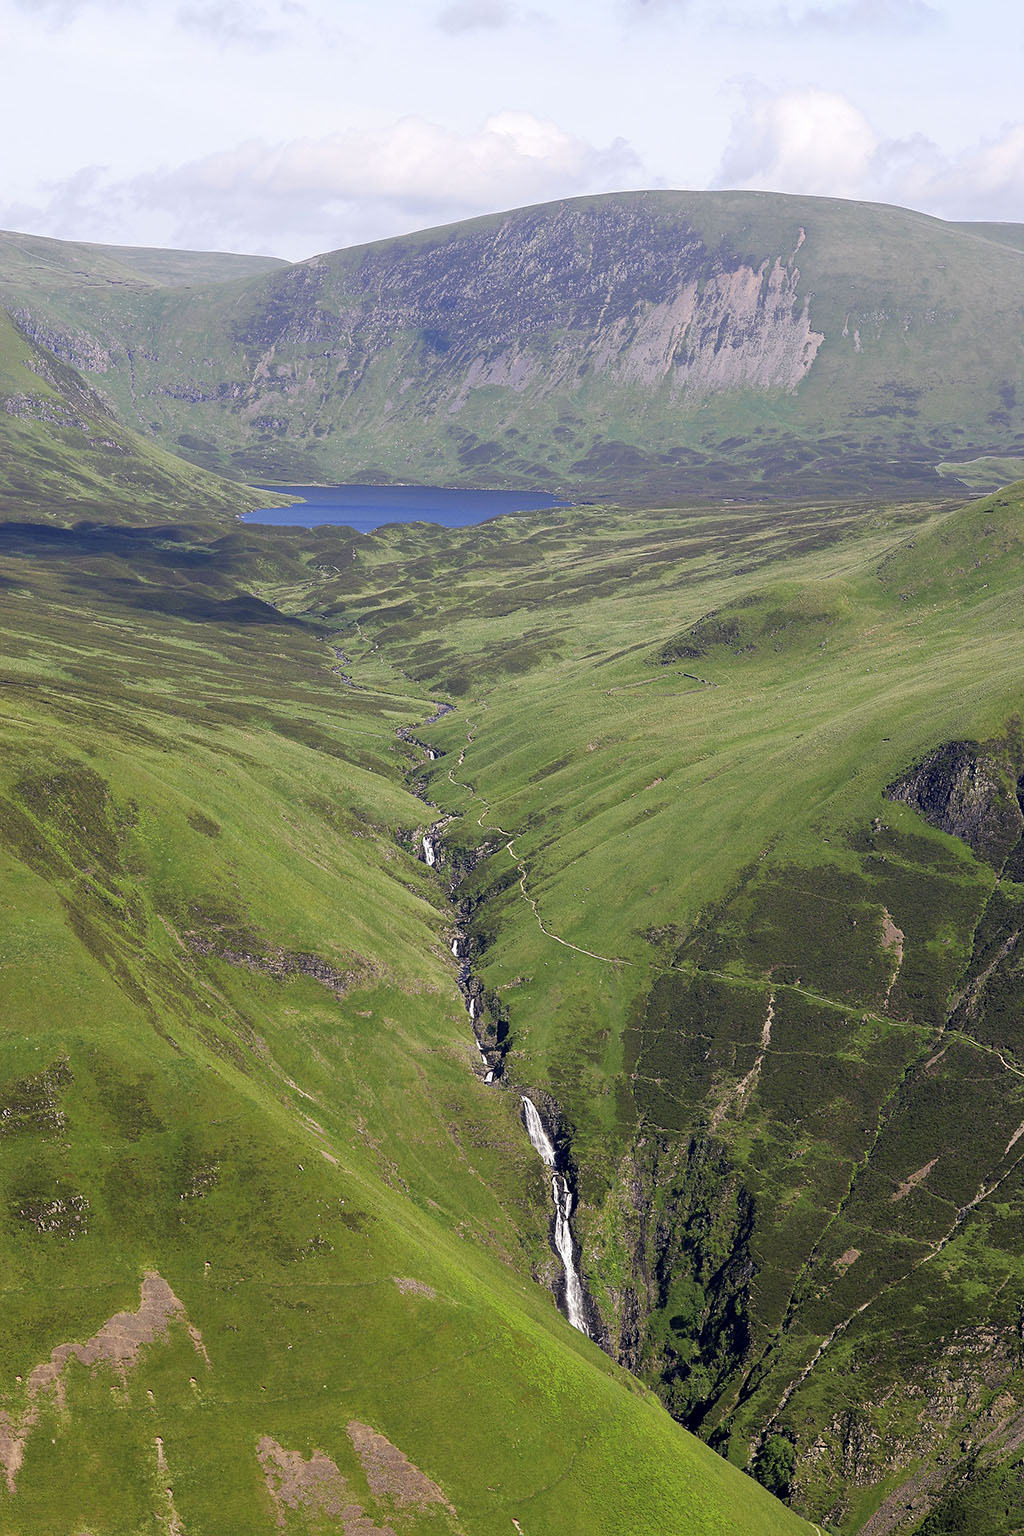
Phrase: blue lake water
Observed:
(365, 507)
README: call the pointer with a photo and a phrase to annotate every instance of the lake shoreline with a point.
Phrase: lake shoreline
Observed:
(365, 508)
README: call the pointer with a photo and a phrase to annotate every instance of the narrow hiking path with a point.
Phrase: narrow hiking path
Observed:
(510, 837)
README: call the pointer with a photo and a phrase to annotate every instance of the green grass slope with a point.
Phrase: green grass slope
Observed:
(64, 452)
(676, 342)
(778, 1010)
(270, 1247)
(1002, 233)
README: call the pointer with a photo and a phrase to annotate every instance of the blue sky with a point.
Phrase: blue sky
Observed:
(293, 126)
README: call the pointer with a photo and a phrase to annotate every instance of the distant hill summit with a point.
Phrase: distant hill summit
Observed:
(718, 342)
(38, 262)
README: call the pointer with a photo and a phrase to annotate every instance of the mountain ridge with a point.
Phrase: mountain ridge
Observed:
(698, 342)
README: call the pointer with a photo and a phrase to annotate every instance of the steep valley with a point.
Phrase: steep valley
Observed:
(768, 980)
(269, 1243)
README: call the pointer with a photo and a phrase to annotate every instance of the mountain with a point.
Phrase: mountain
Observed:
(740, 343)
(64, 453)
(41, 264)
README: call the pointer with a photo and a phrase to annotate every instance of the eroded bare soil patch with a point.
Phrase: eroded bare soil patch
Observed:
(117, 1343)
(390, 1474)
(315, 1485)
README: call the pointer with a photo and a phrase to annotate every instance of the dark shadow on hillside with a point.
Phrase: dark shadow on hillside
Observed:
(168, 545)
(162, 571)
(202, 608)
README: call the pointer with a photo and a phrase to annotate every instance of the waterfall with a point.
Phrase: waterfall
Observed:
(561, 1194)
(430, 850)
(575, 1309)
(542, 1143)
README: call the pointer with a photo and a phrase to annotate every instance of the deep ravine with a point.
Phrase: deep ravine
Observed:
(574, 1301)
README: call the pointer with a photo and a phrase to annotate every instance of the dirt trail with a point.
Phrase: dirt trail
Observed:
(893, 940)
(741, 1092)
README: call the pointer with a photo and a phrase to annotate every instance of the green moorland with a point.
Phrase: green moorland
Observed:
(270, 1248)
(775, 1014)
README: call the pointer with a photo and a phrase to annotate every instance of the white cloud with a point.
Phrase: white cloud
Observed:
(839, 19)
(225, 22)
(416, 163)
(861, 16)
(636, 10)
(818, 142)
(875, 16)
(319, 193)
(809, 141)
(983, 182)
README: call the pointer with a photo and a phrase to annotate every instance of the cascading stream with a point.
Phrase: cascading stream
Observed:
(561, 1194)
(561, 1190)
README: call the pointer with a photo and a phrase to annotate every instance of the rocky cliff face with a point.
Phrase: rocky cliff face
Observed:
(970, 792)
(545, 299)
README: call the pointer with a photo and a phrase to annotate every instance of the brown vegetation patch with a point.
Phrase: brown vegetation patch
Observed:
(912, 1181)
(391, 1474)
(315, 1485)
(410, 1287)
(117, 1343)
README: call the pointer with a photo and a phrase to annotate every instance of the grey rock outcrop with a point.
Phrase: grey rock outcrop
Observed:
(969, 791)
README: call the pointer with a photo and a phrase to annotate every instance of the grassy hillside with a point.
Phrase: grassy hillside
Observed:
(730, 809)
(1002, 233)
(270, 1247)
(707, 343)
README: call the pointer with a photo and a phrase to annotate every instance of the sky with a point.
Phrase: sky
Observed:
(289, 127)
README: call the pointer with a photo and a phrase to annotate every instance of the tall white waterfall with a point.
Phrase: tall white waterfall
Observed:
(542, 1143)
(561, 1194)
